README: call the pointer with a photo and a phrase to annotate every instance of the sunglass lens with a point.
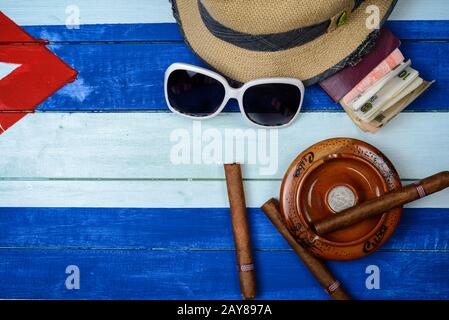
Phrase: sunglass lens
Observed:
(194, 94)
(272, 105)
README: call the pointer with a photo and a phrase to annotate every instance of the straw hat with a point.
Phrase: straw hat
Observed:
(305, 39)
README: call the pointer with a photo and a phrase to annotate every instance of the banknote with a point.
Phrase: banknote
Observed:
(368, 94)
(367, 127)
(412, 87)
(387, 115)
(402, 84)
(387, 65)
(397, 104)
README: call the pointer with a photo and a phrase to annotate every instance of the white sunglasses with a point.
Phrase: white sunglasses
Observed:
(199, 93)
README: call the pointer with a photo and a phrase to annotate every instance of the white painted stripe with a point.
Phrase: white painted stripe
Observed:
(150, 194)
(421, 10)
(137, 145)
(7, 68)
(51, 12)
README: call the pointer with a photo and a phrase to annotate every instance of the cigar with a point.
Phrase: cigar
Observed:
(384, 203)
(330, 284)
(240, 227)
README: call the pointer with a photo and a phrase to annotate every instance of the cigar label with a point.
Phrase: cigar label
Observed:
(333, 287)
(246, 267)
(421, 191)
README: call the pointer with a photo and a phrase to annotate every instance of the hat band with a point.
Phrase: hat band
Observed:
(266, 42)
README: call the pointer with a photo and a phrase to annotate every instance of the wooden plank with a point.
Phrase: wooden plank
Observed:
(420, 30)
(193, 228)
(149, 274)
(162, 32)
(138, 145)
(149, 194)
(48, 12)
(129, 77)
(421, 10)
(169, 32)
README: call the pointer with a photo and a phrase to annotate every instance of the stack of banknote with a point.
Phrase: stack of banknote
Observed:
(388, 85)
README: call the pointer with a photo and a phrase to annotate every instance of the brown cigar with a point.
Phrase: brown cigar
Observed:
(383, 203)
(241, 230)
(331, 285)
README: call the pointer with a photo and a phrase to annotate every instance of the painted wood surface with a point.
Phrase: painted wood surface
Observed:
(98, 190)
(147, 193)
(169, 32)
(152, 274)
(139, 145)
(53, 12)
(421, 229)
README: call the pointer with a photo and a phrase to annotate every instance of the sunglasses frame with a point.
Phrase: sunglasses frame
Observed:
(230, 92)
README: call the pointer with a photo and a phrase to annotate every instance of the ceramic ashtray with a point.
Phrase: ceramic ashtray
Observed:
(329, 177)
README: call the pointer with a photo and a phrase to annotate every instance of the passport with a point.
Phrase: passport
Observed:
(342, 82)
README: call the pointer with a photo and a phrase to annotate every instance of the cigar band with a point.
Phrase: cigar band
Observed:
(246, 267)
(421, 191)
(333, 286)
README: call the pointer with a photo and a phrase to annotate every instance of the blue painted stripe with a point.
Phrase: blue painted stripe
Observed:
(108, 32)
(129, 77)
(414, 30)
(420, 229)
(420, 30)
(149, 274)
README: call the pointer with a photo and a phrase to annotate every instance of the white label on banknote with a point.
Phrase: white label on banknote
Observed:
(392, 88)
(364, 98)
(412, 87)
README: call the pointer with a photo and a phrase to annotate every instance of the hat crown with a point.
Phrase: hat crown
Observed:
(268, 17)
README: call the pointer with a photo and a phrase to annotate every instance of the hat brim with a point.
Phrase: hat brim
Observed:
(310, 62)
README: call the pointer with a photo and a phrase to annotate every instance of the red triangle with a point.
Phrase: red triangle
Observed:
(40, 74)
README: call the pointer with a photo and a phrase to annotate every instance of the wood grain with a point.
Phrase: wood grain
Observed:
(179, 274)
(128, 32)
(48, 12)
(422, 229)
(152, 193)
(169, 32)
(138, 145)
